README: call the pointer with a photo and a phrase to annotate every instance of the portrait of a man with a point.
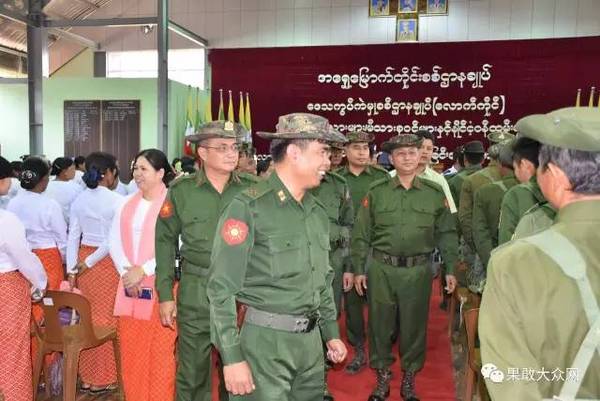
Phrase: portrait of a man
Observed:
(408, 6)
(437, 6)
(379, 8)
(406, 30)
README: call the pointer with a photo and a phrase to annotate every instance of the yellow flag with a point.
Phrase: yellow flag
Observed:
(241, 117)
(208, 108)
(248, 119)
(578, 99)
(592, 93)
(221, 115)
(230, 116)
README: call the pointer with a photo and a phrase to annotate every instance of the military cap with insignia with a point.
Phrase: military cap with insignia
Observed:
(360, 136)
(473, 147)
(402, 141)
(500, 137)
(576, 128)
(217, 129)
(300, 126)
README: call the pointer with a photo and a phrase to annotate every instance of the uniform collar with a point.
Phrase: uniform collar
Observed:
(537, 191)
(416, 184)
(201, 178)
(474, 167)
(284, 196)
(368, 170)
(588, 210)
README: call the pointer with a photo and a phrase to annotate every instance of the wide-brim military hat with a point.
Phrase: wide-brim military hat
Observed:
(218, 129)
(402, 141)
(473, 147)
(360, 136)
(335, 138)
(500, 137)
(299, 126)
(576, 128)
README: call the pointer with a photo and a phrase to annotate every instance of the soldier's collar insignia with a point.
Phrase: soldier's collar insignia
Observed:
(166, 210)
(281, 195)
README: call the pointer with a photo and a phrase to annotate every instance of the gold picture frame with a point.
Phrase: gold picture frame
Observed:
(408, 6)
(407, 29)
(437, 7)
(379, 8)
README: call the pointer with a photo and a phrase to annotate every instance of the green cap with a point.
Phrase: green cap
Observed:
(217, 129)
(299, 126)
(473, 147)
(360, 136)
(576, 128)
(500, 137)
(402, 141)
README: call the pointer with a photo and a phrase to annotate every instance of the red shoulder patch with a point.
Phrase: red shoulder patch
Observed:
(365, 202)
(166, 210)
(234, 232)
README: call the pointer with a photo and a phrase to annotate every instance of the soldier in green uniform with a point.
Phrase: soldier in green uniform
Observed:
(359, 175)
(524, 196)
(271, 255)
(402, 219)
(334, 194)
(194, 204)
(486, 214)
(473, 157)
(538, 218)
(539, 320)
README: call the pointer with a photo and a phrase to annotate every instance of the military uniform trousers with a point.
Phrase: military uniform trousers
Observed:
(355, 319)
(398, 294)
(336, 260)
(285, 366)
(193, 379)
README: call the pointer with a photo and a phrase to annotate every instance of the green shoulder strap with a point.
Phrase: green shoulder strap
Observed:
(569, 259)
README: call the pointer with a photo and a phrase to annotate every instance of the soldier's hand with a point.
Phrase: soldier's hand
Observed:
(450, 283)
(336, 350)
(347, 281)
(238, 378)
(168, 313)
(360, 283)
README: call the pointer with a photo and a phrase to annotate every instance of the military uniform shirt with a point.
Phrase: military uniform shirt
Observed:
(192, 209)
(517, 201)
(359, 184)
(455, 182)
(271, 253)
(404, 222)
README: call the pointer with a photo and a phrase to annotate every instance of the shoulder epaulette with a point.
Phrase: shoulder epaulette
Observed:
(379, 182)
(180, 179)
(432, 184)
(379, 169)
(257, 190)
(336, 176)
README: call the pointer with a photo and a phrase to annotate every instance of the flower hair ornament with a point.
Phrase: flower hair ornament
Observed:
(28, 176)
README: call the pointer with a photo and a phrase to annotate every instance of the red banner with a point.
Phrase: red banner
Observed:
(462, 91)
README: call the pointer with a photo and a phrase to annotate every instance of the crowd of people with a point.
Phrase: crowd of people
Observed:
(260, 260)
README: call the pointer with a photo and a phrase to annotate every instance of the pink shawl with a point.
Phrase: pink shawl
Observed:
(136, 307)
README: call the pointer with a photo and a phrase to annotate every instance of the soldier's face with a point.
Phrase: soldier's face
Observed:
(220, 154)
(406, 160)
(358, 154)
(311, 163)
(336, 157)
(426, 152)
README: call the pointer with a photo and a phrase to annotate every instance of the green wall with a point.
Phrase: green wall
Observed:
(14, 131)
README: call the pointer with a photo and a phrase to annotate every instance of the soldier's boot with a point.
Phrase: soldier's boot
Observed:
(382, 387)
(359, 361)
(407, 388)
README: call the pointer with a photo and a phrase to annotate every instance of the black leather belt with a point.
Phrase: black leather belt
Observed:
(402, 261)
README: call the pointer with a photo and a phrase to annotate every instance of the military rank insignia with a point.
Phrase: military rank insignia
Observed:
(281, 196)
(166, 210)
(234, 232)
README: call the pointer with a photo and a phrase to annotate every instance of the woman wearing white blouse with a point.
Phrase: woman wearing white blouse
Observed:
(63, 189)
(147, 348)
(21, 273)
(87, 255)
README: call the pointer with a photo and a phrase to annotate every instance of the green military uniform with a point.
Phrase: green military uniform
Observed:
(403, 227)
(536, 219)
(539, 319)
(359, 185)
(456, 182)
(191, 211)
(516, 202)
(272, 255)
(334, 194)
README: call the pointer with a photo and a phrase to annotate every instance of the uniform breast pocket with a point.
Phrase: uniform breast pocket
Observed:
(424, 217)
(287, 253)
(385, 217)
(321, 252)
(197, 228)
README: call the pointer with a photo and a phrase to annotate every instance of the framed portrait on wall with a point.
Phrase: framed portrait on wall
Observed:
(407, 29)
(437, 7)
(408, 6)
(379, 8)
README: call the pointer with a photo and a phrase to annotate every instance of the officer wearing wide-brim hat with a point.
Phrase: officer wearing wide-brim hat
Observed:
(272, 255)
(359, 174)
(191, 211)
(401, 220)
(557, 268)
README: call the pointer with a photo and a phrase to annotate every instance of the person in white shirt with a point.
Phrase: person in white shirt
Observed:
(13, 189)
(45, 226)
(147, 347)
(21, 274)
(79, 162)
(63, 189)
(89, 263)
